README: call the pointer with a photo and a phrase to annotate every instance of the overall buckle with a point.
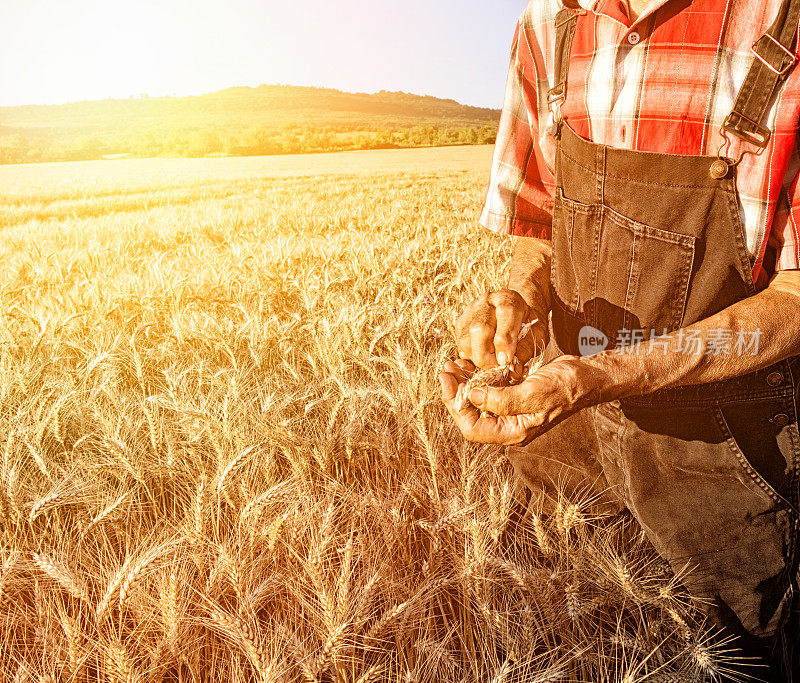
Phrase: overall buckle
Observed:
(555, 94)
(779, 72)
(555, 98)
(759, 137)
(722, 165)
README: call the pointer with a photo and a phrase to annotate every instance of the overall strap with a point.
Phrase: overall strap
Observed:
(774, 59)
(566, 20)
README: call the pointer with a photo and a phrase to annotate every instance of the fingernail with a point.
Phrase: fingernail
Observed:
(502, 358)
(476, 396)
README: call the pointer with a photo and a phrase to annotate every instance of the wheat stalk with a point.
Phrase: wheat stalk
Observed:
(199, 510)
(74, 648)
(299, 652)
(343, 593)
(542, 538)
(106, 512)
(135, 570)
(374, 673)
(329, 650)
(274, 530)
(113, 585)
(231, 466)
(229, 568)
(257, 504)
(120, 664)
(240, 632)
(373, 544)
(50, 501)
(63, 576)
(5, 573)
(38, 459)
(386, 619)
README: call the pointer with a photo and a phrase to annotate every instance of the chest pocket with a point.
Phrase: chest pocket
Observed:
(618, 274)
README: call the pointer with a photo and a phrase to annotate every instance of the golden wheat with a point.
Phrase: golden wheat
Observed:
(63, 576)
(225, 455)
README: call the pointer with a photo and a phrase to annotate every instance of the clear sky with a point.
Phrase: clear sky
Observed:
(54, 51)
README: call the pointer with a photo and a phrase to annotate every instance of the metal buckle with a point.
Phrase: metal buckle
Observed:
(553, 124)
(553, 96)
(729, 163)
(759, 138)
(787, 52)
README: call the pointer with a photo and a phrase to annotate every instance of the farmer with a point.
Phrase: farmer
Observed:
(647, 165)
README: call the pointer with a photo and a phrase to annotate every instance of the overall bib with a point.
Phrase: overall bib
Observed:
(654, 242)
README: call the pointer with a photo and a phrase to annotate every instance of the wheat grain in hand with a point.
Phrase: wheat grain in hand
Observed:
(502, 375)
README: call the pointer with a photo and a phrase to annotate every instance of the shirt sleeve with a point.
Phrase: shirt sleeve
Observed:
(783, 244)
(519, 199)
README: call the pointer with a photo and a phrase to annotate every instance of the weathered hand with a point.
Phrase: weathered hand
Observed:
(487, 333)
(523, 411)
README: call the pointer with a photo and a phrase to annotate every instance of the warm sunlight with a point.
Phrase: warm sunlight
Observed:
(54, 52)
(89, 50)
(433, 341)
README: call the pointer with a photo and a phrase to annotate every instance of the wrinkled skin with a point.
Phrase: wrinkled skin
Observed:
(570, 383)
(523, 411)
(487, 333)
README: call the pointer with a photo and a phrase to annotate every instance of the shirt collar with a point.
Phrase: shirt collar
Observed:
(618, 9)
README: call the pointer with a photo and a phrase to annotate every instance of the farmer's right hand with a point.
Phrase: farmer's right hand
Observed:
(488, 331)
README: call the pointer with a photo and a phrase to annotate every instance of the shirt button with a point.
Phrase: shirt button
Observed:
(780, 420)
(634, 38)
(774, 379)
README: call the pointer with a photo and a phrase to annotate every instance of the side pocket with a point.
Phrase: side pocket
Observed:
(644, 272)
(755, 443)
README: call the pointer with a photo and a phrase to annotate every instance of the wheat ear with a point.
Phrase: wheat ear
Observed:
(120, 664)
(63, 576)
(240, 632)
(134, 574)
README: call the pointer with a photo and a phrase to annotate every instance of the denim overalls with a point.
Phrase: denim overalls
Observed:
(653, 242)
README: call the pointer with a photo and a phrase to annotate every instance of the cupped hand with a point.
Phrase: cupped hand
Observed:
(517, 414)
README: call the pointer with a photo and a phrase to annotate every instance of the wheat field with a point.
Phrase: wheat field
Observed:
(225, 457)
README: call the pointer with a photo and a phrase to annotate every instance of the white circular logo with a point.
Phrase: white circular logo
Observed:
(591, 341)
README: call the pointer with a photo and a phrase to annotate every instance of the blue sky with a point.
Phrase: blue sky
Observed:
(53, 51)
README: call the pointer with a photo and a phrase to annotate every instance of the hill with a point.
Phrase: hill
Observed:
(238, 121)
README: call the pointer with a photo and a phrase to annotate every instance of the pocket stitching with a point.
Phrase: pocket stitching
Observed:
(683, 293)
(638, 229)
(573, 304)
(630, 292)
(740, 235)
(744, 463)
(628, 223)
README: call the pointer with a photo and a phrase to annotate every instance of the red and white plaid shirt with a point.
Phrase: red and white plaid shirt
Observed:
(662, 84)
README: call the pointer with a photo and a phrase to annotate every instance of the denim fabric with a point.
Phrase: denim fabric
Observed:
(652, 241)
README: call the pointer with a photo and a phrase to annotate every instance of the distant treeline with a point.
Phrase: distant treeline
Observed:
(22, 147)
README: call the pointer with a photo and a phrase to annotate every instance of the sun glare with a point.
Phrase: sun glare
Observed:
(94, 50)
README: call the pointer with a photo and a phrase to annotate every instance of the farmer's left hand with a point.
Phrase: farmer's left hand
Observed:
(523, 411)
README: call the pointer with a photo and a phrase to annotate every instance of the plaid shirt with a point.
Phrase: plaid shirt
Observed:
(662, 84)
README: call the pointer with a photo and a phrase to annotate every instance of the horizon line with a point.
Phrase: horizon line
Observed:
(146, 96)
